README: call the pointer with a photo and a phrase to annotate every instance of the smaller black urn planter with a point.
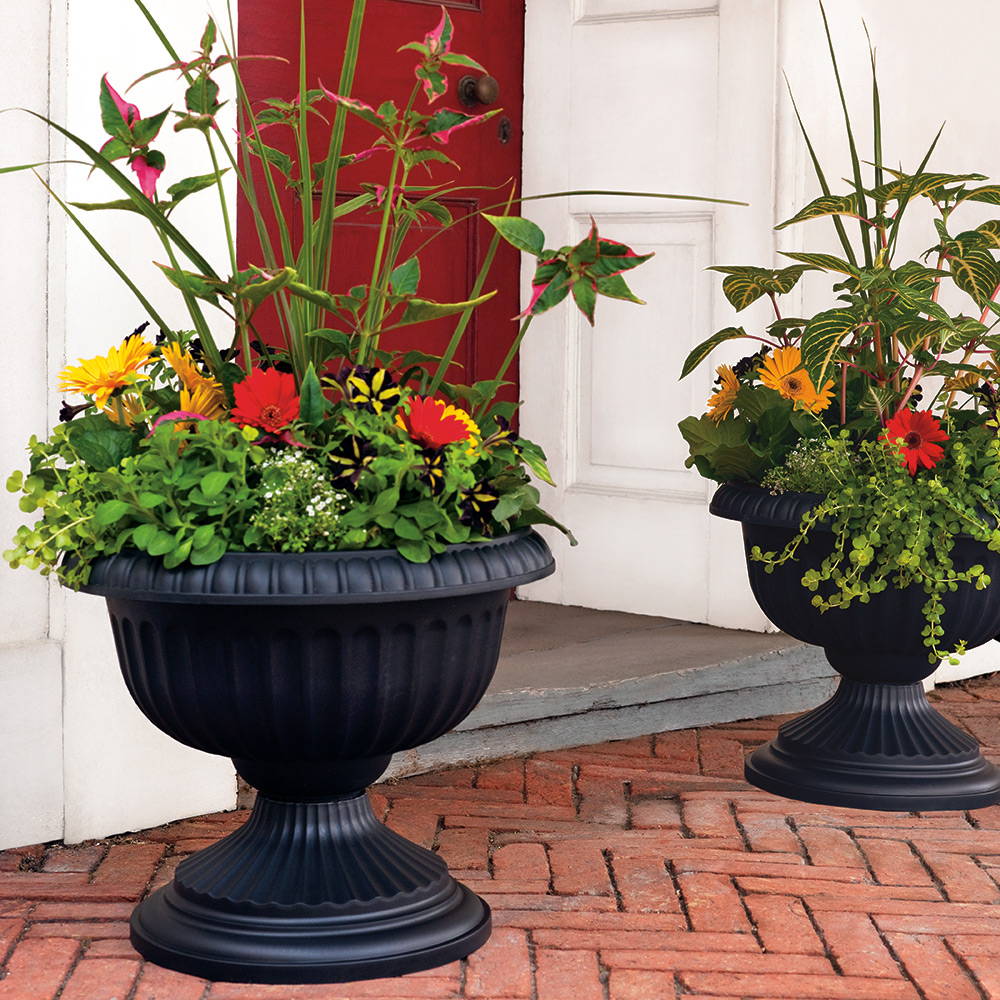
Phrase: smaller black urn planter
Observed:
(310, 671)
(877, 743)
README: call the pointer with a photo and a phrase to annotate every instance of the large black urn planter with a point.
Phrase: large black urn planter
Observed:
(877, 743)
(310, 671)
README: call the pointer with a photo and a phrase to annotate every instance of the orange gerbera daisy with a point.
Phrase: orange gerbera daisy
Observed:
(434, 423)
(720, 403)
(104, 375)
(782, 371)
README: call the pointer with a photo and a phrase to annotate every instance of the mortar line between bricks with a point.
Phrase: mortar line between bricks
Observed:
(971, 819)
(966, 968)
(627, 797)
(792, 825)
(533, 963)
(741, 830)
(548, 860)
(608, 856)
(818, 930)
(895, 957)
(69, 972)
(978, 862)
(741, 896)
(130, 995)
(931, 874)
(849, 831)
(682, 902)
(603, 976)
(574, 778)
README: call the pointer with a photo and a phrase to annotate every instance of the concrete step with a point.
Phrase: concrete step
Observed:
(573, 676)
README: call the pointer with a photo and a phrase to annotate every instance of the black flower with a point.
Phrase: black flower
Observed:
(477, 506)
(354, 456)
(371, 389)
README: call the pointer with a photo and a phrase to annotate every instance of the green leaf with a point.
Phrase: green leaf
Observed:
(705, 348)
(914, 185)
(149, 499)
(977, 274)
(144, 534)
(197, 285)
(332, 303)
(405, 278)
(744, 285)
(214, 482)
(721, 451)
(825, 261)
(201, 98)
(821, 340)
(585, 296)
(988, 194)
(147, 129)
(520, 233)
(191, 185)
(421, 310)
(534, 459)
(312, 403)
(110, 511)
(112, 119)
(257, 291)
(614, 286)
(415, 551)
(99, 441)
(827, 204)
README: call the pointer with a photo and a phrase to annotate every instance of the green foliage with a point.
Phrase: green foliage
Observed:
(891, 529)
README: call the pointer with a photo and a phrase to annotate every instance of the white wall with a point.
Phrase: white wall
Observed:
(77, 760)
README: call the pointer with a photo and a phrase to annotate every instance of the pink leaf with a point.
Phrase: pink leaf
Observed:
(176, 415)
(148, 176)
(439, 40)
(128, 111)
(445, 134)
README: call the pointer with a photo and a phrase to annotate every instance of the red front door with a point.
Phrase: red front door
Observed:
(492, 32)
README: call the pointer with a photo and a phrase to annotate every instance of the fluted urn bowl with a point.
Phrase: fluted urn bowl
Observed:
(877, 743)
(310, 671)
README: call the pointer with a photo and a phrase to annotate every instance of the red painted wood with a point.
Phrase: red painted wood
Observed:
(491, 31)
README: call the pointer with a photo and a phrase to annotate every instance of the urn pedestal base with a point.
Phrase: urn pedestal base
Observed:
(310, 892)
(876, 746)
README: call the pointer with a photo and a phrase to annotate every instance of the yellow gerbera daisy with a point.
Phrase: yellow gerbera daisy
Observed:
(205, 399)
(720, 403)
(209, 394)
(782, 371)
(128, 406)
(101, 376)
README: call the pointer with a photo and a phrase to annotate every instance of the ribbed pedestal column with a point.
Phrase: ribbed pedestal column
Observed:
(876, 746)
(310, 892)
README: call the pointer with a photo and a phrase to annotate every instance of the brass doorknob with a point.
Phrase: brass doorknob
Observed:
(478, 90)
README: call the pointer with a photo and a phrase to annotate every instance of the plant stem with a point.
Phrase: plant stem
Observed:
(508, 359)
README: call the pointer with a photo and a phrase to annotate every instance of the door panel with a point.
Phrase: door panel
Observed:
(694, 81)
(492, 34)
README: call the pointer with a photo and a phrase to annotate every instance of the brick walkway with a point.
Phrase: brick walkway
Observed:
(637, 870)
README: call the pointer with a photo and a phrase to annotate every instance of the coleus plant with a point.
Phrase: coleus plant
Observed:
(179, 446)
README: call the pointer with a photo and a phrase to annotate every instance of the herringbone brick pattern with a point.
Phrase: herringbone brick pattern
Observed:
(636, 870)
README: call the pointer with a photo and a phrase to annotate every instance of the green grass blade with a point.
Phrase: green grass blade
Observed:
(821, 177)
(855, 160)
(109, 260)
(328, 197)
(894, 229)
(306, 263)
(876, 112)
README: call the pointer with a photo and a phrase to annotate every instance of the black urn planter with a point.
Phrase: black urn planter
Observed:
(310, 671)
(877, 743)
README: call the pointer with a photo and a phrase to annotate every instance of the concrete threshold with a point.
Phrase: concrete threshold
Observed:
(574, 676)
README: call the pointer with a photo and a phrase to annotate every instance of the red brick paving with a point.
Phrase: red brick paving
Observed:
(635, 870)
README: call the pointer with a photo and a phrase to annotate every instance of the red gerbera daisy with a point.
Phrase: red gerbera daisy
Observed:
(434, 423)
(915, 432)
(266, 399)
